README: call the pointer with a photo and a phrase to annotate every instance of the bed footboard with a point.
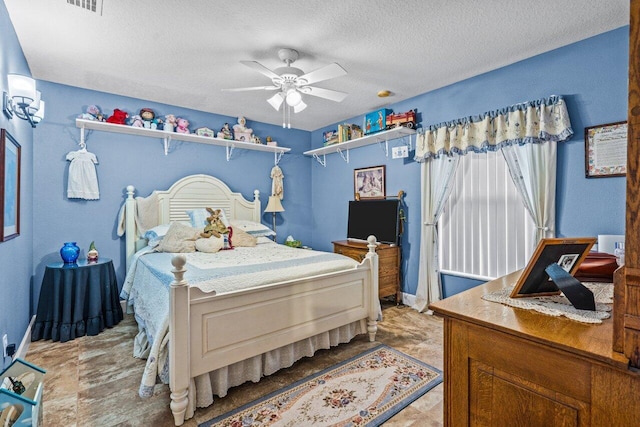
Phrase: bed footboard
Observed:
(209, 331)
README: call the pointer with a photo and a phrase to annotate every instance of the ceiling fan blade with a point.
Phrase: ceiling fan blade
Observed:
(332, 95)
(242, 89)
(325, 73)
(260, 68)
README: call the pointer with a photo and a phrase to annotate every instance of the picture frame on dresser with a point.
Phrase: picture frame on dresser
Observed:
(10, 157)
(566, 252)
(605, 150)
(369, 183)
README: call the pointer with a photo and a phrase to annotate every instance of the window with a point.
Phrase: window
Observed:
(484, 231)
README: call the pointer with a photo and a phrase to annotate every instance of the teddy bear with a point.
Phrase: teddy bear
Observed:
(118, 117)
(93, 113)
(215, 227)
(182, 125)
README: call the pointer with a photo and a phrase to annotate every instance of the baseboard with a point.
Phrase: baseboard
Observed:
(26, 340)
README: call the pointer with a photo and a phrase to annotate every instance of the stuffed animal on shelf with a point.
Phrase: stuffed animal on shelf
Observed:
(118, 117)
(215, 227)
(136, 121)
(93, 113)
(182, 125)
(169, 123)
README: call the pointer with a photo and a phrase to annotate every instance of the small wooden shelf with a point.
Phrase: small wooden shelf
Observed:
(175, 136)
(344, 147)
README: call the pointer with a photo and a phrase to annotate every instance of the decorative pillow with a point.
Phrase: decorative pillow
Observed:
(199, 217)
(242, 238)
(180, 238)
(155, 235)
(254, 228)
(210, 245)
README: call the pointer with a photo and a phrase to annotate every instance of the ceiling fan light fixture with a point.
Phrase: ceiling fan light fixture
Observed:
(299, 107)
(293, 97)
(276, 100)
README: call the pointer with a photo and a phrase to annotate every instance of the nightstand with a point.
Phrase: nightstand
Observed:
(76, 300)
(388, 264)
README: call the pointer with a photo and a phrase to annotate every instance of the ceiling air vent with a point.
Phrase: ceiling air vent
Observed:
(91, 5)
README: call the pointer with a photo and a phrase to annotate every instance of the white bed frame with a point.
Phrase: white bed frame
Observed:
(209, 331)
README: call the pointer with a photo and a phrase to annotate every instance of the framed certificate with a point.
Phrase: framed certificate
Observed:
(605, 150)
(567, 253)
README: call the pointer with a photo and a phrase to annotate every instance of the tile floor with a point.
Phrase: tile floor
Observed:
(93, 381)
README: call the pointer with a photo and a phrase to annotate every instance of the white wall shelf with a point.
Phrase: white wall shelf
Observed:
(167, 137)
(377, 138)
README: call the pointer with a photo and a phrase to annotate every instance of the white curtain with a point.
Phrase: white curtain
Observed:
(436, 182)
(533, 170)
(530, 123)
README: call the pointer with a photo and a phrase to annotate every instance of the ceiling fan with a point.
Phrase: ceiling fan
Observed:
(291, 83)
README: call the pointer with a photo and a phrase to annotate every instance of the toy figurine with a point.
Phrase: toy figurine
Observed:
(225, 132)
(136, 121)
(149, 120)
(169, 123)
(93, 113)
(92, 255)
(241, 132)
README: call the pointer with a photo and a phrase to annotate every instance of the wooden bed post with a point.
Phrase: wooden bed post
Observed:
(130, 225)
(179, 357)
(256, 207)
(372, 323)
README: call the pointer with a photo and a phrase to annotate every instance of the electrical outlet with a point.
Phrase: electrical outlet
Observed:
(5, 343)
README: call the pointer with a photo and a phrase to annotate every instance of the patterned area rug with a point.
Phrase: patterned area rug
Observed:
(365, 390)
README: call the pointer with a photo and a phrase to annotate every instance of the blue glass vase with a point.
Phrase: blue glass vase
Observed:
(69, 252)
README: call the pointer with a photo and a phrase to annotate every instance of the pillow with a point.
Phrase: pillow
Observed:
(242, 238)
(254, 228)
(180, 238)
(155, 235)
(210, 245)
(199, 217)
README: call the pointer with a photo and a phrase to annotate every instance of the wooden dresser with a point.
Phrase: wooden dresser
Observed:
(388, 264)
(512, 367)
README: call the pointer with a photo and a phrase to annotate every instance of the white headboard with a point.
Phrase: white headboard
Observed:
(190, 192)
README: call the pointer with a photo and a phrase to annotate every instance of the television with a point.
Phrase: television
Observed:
(374, 217)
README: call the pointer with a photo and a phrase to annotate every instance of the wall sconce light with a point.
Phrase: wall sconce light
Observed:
(274, 206)
(23, 100)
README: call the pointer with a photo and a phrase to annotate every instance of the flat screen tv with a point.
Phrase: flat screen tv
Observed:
(377, 217)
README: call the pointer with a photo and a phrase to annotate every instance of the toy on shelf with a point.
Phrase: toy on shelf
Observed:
(271, 142)
(385, 119)
(169, 123)
(225, 132)
(182, 125)
(406, 119)
(149, 120)
(241, 132)
(93, 113)
(204, 131)
(136, 121)
(119, 117)
(256, 139)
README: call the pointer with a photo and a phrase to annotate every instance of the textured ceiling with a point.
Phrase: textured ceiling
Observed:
(185, 53)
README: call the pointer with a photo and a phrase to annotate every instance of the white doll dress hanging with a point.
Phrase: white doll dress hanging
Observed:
(277, 185)
(83, 180)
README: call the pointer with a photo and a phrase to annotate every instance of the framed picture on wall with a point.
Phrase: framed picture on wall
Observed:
(369, 183)
(9, 186)
(605, 150)
(567, 253)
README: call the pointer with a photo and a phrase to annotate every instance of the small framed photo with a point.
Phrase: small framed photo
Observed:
(605, 150)
(9, 187)
(369, 183)
(567, 253)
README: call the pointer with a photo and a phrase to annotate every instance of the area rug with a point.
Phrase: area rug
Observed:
(365, 390)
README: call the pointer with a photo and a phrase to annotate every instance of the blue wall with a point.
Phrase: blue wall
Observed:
(16, 255)
(592, 76)
(140, 161)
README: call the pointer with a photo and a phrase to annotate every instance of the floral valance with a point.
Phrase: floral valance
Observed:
(530, 122)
